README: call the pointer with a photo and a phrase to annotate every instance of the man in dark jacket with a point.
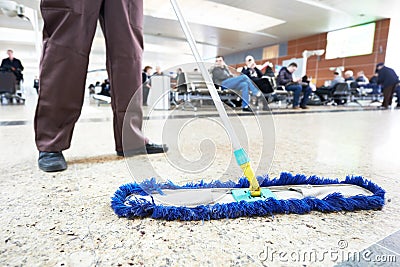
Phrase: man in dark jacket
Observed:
(285, 78)
(388, 79)
(13, 64)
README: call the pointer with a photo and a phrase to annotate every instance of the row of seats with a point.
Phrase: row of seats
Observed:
(191, 87)
(343, 93)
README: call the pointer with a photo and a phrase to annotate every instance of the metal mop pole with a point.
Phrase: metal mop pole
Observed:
(240, 154)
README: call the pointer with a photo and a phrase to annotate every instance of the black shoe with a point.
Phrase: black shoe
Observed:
(150, 148)
(52, 161)
(304, 107)
(247, 109)
(382, 107)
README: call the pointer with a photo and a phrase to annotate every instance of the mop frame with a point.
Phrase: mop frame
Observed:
(124, 205)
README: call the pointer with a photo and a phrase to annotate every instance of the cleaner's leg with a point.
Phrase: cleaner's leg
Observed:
(69, 27)
(122, 24)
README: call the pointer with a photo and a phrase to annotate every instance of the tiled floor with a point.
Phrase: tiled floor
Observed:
(65, 219)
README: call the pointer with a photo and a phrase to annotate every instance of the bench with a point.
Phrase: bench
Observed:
(102, 99)
(195, 89)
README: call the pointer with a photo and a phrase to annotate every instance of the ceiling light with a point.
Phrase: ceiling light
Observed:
(214, 15)
(17, 35)
(321, 5)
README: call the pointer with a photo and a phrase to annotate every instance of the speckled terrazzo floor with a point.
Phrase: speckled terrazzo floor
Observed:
(65, 219)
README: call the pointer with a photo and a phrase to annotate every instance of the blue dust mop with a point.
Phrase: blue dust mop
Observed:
(203, 201)
(132, 201)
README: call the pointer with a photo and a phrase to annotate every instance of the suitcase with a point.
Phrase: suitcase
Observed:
(7, 82)
(8, 92)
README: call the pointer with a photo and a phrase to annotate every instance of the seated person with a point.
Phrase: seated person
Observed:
(374, 79)
(268, 69)
(91, 89)
(105, 88)
(36, 84)
(146, 84)
(158, 71)
(223, 77)
(361, 78)
(323, 91)
(255, 75)
(348, 76)
(181, 80)
(285, 78)
(308, 81)
(373, 84)
(181, 87)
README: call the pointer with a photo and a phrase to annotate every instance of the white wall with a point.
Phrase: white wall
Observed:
(392, 59)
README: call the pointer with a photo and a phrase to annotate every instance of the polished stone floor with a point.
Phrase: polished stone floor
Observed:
(65, 219)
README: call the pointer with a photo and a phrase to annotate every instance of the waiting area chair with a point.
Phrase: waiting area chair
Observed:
(279, 94)
(194, 88)
(345, 93)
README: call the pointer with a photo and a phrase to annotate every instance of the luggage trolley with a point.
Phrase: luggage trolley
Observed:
(8, 92)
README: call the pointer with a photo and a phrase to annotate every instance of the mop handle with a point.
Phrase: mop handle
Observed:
(241, 156)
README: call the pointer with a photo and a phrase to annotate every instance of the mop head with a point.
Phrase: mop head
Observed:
(287, 194)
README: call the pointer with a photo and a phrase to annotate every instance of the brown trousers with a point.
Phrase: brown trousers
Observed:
(388, 95)
(69, 28)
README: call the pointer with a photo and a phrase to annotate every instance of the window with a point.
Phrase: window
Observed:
(271, 52)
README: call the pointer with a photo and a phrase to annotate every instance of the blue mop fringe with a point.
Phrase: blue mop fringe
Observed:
(125, 206)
